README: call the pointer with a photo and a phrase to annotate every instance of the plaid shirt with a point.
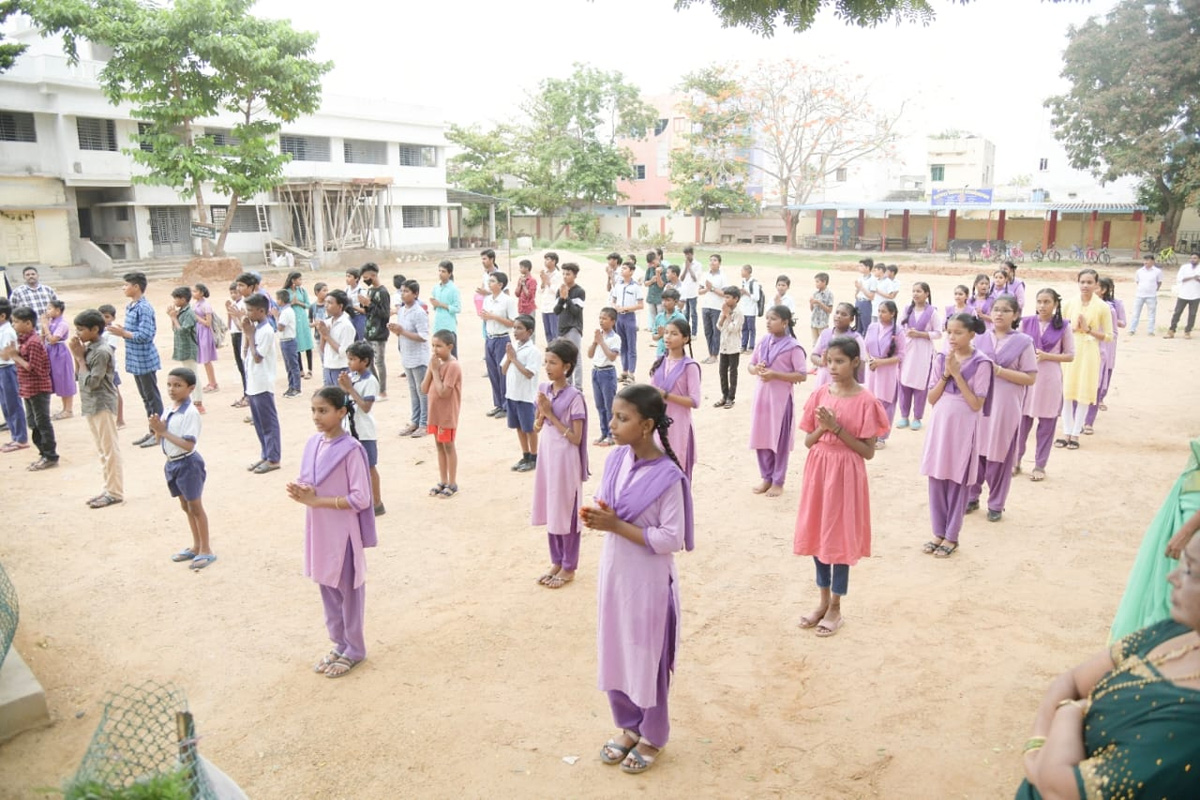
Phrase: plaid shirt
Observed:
(141, 356)
(186, 348)
(34, 379)
(38, 298)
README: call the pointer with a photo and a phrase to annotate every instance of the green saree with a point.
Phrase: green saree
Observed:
(1141, 737)
(1147, 593)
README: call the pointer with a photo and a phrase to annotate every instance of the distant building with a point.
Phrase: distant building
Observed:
(967, 162)
(652, 156)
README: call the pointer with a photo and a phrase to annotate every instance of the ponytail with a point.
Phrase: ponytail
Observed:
(350, 419)
(661, 423)
(891, 306)
(1056, 320)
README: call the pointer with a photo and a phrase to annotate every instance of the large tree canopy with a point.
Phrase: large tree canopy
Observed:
(763, 16)
(8, 50)
(1134, 104)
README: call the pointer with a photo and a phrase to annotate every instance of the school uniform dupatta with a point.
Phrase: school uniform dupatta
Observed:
(645, 483)
(1046, 341)
(561, 403)
(315, 469)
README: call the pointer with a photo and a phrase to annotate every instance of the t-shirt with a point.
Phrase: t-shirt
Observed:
(883, 286)
(1188, 290)
(868, 285)
(713, 298)
(260, 376)
(8, 335)
(443, 410)
(661, 321)
(287, 324)
(653, 290)
(367, 386)
(341, 330)
(516, 386)
(1148, 281)
(570, 310)
(748, 302)
(613, 340)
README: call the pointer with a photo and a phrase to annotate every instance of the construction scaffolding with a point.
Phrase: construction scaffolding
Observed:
(336, 215)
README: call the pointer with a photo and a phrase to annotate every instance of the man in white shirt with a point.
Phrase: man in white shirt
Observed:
(626, 298)
(1187, 284)
(1148, 280)
(712, 298)
(689, 287)
(258, 351)
(550, 279)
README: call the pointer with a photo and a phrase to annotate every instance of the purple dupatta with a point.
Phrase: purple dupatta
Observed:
(645, 483)
(314, 471)
(561, 405)
(1046, 341)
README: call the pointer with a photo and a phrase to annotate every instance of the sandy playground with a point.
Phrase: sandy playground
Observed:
(479, 682)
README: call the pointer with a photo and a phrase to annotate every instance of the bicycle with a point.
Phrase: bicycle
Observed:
(1015, 253)
(1038, 253)
(1053, 253)
(1168, 257)
(964, 249)
(1100, 256)
(985, 252)
(1076, 252)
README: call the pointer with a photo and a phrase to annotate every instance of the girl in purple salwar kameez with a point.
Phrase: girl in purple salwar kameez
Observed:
(884, 355)
(677, 377)
(335, 484)
(841, 324)
(1053, 344)
(922, 325)
(55, 332)
(644, 504)
(562, 462)
(961, 380)
(1014, 368)
(779, 363)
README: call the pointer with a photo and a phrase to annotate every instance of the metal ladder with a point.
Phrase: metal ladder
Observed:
(262, 212)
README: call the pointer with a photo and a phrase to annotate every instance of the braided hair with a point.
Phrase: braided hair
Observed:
(650, 405)
(891, 306)
(339, 399)
(1056, 321)
(685, 330)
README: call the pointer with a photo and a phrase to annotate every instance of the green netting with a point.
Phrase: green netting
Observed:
(144, 746)
(9, 614)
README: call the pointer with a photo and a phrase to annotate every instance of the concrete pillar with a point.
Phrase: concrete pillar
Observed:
(318, 221)
(492, 237)
(379, 218)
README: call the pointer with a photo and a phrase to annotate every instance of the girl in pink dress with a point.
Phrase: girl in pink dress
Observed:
(335, 485)
(206, 348)
(961, 381)
(778, 361)
(842, 323)
(922, 326)
(677, 377)
(1014, 367)
(644, 506)
(562, 462)
(885, 354)
(1108, 352)
(55, 332)
(842, 420)
(1053, 345)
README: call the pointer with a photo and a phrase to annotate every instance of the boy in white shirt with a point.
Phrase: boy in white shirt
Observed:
(258, 351)
(751, 294)
(864, 290)
(1148, 280)
(287, 341)
(604, 351)
(520, 367)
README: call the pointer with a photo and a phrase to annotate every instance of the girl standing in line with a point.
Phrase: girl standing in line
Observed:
(845, 318)
(1091, 323)
(677, 378)
(1014, 367)
(842, 420)
(335, 485)
(885, 354)
(55, 333)
(778, 361)
(206, 346)
(304, 336)
(1016, 286)
(922, 325)
(644, 506)
(1108, 352)
(562, 464)
(961, 304)
(980, 303)
(1053, 346)
(962, 379)
(443, 385)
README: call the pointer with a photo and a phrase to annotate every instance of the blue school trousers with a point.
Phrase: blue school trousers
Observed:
(266, 425)
(291, 362)
(604, 389)
(627, 330)
(10, 401)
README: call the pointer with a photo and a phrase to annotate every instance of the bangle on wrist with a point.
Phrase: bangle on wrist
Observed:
(1034, 743)
(1082, 705)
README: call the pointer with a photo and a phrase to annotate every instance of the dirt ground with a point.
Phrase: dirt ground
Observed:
(480, 683)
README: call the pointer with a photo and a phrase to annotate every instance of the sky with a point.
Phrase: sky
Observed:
(985, 67)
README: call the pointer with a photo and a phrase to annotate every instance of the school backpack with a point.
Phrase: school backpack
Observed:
(219, 330)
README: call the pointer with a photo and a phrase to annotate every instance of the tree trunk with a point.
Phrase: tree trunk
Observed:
(233, 205)
(205, 249)
(1171, 220)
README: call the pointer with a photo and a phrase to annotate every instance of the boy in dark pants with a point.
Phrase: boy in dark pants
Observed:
(33, 385)
(10, 399)
(141, 356)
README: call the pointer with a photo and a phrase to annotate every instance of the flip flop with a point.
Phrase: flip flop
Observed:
(202, 561)
(641, 762)
(1072, 445)
(1038, 475)
(944, 551)
(103, 501)
(827, 629)
(1088, 430)
(323, 664)
(343, 665)
(265, 467)
(612, 745)
(809, 622)
(557, 581)
(256, 465)
(1061, 442)
(61, 416)
(183, 555)
(13, 447)
(931, 547)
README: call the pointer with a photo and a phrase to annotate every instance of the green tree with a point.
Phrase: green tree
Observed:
(1134, 103)
(762, 16)
(709, 173)
(480, 166)
(198, 60)
(8, 50)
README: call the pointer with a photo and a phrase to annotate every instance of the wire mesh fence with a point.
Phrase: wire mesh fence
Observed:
(9, 614)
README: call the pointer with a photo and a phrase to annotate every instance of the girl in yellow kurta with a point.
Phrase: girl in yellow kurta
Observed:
(1091, 322)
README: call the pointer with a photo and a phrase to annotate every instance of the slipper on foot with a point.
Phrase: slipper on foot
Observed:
(202, 561)
(640, 762)
(184, 555)
(104, 501)
(827, 629)
(265, 467)
(341, 667)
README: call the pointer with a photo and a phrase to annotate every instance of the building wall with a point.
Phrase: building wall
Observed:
(967, 162)
(653, 154)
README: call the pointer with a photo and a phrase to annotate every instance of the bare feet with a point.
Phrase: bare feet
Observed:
(762, 487)
(775, 490)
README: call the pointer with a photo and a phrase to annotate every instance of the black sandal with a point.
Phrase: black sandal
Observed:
(945, 551)
(437, 490)
(1061, 443)
(1072, 445)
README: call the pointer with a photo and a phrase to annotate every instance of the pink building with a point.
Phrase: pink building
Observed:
(652, 156)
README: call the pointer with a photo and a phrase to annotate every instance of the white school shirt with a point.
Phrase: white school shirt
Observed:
(689, 288)
(787, 301)
(613, 340)
(516, 386)
(8, 335)
(503, 306)
(367, 387)
(748, 302)
(868, 285)
(184, 422)
(341, 330)
(1148, 281)
(884, 284)
(260, 376)
(625, 294)
(547, 297)
(287, 324)
(713, 298)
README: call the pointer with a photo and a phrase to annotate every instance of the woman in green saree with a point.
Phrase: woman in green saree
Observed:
(1126, 723)
(1146, 599)
(304, 336)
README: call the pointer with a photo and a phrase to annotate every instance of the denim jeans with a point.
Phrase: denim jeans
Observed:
(418, 400)
(1138, 303)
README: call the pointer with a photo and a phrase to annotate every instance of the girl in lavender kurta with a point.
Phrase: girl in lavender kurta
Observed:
(206, 347)
(961, 305)
(335, 484)
(1014, 367)
(922, 326)
(842, 324)
(1108, 352)
(677, 377)
(960, 383)
(562, 463)
(55, 333)
(644, 504)
(1016, 286)
(980, 303)
(779, 363)
(833, 525)
(1053, 344)
(885, 354)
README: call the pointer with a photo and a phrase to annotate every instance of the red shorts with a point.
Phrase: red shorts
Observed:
(441, 435)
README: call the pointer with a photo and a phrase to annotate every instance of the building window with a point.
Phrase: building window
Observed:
(679, 125)
(1043, 164)
(660, 126)
(143, 144)
(422, 217)
(937, 172)
(840, 175)
(122, 213)
(17, 126)
(305, 148)
(96, 134)
(418, 155)
(222, 137)
(358, 151)
(639, 172)
(245, 219)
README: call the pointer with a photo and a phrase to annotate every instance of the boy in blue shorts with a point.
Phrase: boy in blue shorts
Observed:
(185, 472)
